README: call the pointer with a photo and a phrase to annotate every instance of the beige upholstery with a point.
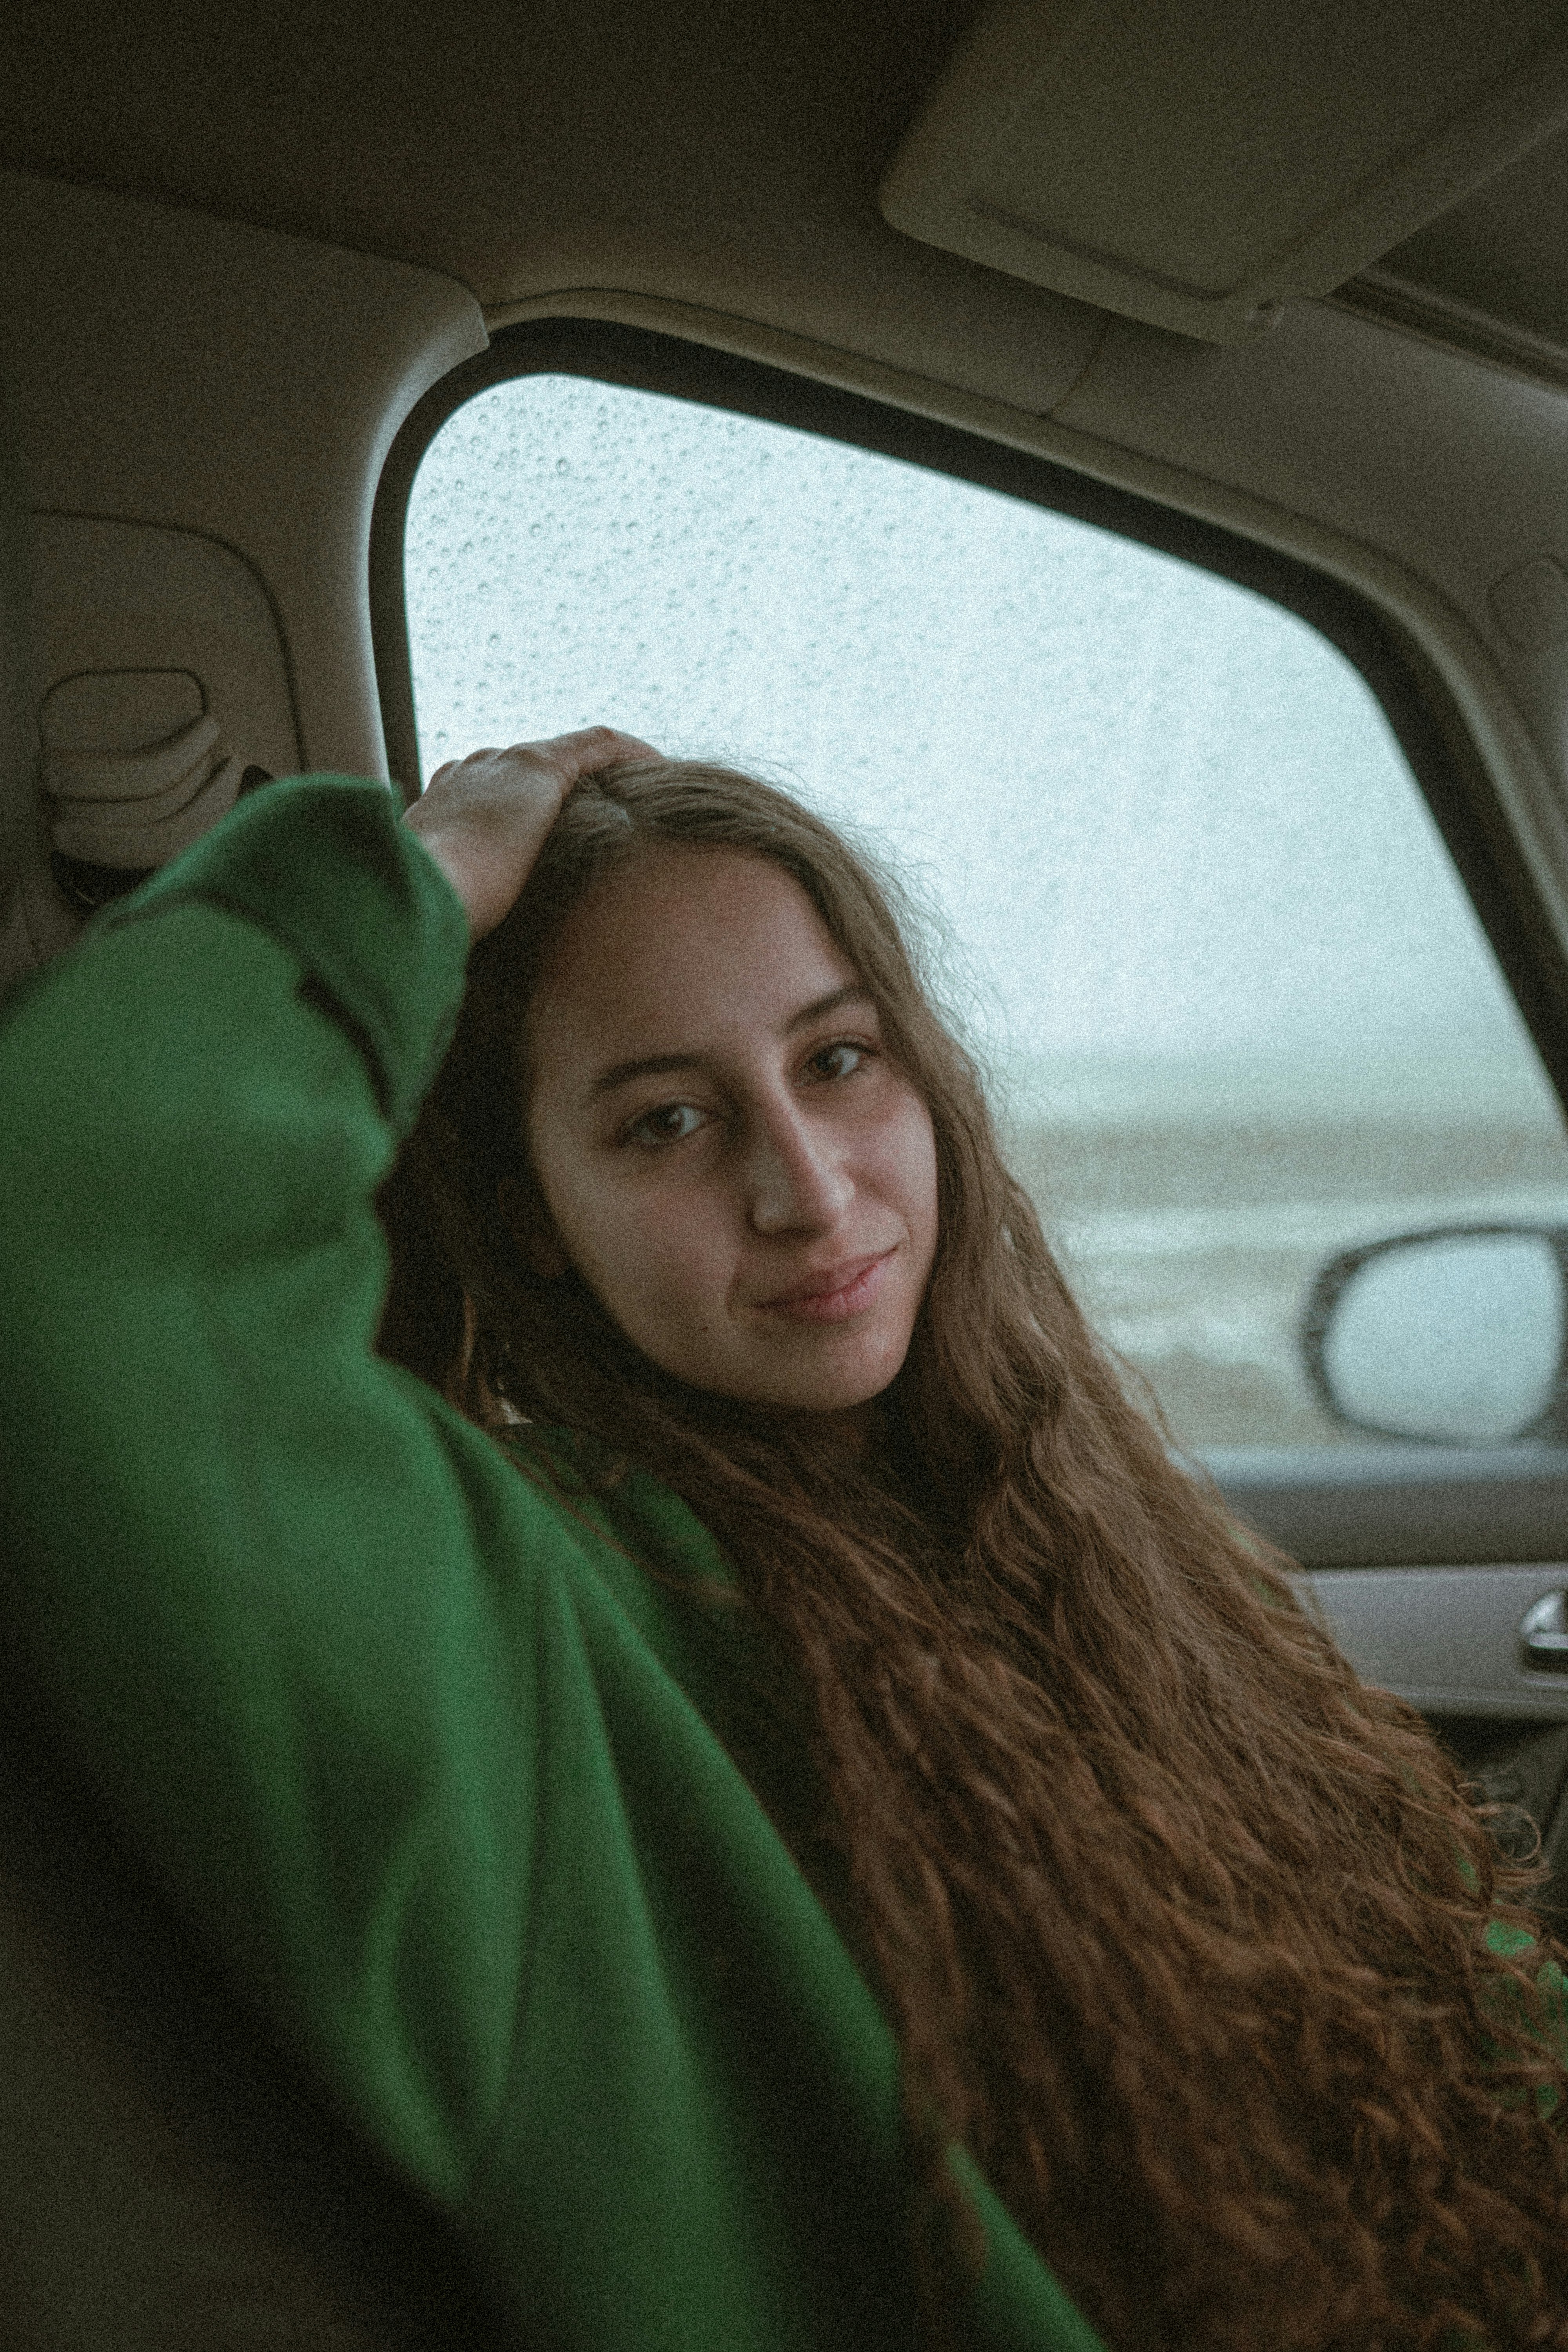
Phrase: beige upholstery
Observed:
(23, 851)
(127, 795)
(167, 2183)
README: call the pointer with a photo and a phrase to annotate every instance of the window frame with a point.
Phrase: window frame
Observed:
(1420, 708)
(1328, 1510)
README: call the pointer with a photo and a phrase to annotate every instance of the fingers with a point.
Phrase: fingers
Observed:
(572, 757)
(484, 818)
(594, 747)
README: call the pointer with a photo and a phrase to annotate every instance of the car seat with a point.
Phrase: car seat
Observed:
(168, 2181)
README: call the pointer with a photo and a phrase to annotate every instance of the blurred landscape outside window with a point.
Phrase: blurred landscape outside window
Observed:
(1178, 884)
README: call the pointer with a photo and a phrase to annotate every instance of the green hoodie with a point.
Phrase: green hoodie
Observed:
(416, 1743)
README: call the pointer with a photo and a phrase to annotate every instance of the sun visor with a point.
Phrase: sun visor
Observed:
(1195, 166)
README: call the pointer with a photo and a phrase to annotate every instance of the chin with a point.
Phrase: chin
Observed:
(840, 1387)
(851, 1370)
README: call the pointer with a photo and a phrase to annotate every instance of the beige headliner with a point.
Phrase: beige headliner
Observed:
(723, 153)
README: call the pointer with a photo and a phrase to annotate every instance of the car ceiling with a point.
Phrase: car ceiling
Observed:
(722, 151)
(479, 138)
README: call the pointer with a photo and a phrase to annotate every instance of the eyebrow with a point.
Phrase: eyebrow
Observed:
(653, 1066)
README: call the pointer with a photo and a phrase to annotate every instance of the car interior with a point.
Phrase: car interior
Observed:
(376, 380)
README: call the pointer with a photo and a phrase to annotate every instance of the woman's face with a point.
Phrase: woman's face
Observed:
(730, 1159)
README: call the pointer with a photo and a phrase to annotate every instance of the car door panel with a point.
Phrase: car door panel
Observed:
(1400, 1507)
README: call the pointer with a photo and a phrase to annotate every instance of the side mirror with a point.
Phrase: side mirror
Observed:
(1456, 1336)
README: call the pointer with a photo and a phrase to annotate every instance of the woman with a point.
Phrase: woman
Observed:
(771, 1795)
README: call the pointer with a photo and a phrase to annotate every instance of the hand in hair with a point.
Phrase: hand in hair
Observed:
(484, 819)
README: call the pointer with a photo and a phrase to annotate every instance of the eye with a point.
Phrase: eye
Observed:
(668, 1123)
(839, 1060)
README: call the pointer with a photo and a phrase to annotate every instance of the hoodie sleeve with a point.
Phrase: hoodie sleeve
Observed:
(249, 1571)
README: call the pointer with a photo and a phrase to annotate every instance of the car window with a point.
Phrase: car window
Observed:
(1180, 886)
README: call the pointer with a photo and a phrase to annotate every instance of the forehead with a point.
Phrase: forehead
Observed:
(683, 948)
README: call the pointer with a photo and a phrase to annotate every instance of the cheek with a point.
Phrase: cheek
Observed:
(665, 1255)
(906, 1174)
(649, 1255)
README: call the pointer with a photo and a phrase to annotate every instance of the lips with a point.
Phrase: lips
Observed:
(833, 1294)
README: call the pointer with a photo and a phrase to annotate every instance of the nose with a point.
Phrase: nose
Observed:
(796, 1178)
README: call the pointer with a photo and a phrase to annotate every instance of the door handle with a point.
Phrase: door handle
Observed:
(1543, 1634)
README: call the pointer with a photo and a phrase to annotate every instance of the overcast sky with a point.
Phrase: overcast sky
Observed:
(1162, 818)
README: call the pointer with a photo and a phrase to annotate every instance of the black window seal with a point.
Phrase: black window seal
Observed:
(1420, 706)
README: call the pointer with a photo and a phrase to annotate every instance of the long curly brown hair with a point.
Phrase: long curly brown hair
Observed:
(1181, 1928)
